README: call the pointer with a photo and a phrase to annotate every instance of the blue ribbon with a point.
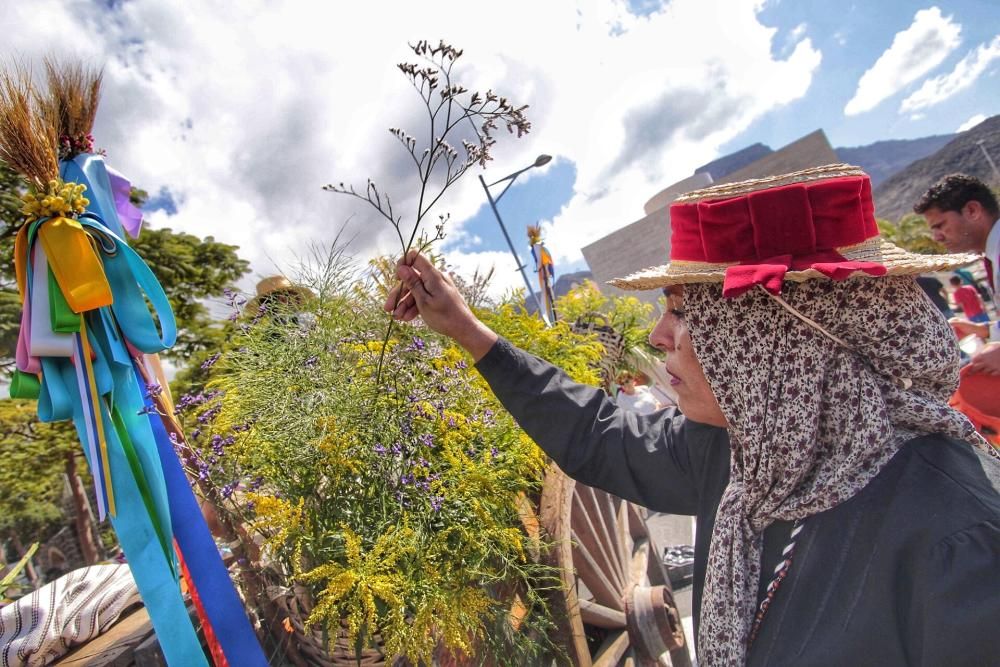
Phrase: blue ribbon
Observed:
(153, 573)
(211, 579)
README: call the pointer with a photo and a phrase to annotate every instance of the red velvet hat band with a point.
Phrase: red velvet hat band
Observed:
(769, 232)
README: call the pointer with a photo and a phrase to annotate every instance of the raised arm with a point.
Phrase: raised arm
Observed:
(656, 460)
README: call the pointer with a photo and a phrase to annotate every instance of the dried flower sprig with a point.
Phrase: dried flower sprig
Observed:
(451, 107)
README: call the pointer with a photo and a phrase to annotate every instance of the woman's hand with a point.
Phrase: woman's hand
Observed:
(431, 294)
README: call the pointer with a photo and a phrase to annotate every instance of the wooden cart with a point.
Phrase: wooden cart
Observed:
(617, 601)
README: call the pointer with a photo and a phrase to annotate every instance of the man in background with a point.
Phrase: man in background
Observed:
(962, 212)
(967, 297)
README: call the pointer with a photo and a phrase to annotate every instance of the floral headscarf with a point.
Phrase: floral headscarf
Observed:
(810, 421)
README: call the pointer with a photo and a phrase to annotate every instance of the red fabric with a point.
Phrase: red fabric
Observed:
(769, 232)
(218, 657)
(968, 298)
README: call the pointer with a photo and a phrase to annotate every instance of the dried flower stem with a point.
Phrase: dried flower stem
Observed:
(454, 107)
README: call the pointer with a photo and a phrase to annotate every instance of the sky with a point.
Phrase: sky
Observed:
(233, 115)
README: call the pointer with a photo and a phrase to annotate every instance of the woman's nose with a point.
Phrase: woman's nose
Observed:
(662, 335)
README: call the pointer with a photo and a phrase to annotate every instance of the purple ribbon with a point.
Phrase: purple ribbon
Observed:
(128, 213)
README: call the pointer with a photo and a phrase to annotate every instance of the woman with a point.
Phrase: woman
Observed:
(846, 515)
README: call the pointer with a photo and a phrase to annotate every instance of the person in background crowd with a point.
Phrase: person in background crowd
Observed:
(934, 289)
(962, 213)
(845, 514)
(634, 396)
(967, 297)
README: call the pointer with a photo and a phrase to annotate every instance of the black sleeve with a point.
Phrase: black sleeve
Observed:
(657, 460)
(957, 600)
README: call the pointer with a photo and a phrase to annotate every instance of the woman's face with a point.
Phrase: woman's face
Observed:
(694, 395)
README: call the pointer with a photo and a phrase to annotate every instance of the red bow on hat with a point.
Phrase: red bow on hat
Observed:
(770, 232)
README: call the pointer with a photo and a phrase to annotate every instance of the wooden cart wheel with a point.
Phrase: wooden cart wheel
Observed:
(614, 583)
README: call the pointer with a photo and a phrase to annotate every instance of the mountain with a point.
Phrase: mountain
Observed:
(884, 158)
(727, 164)
(880, 160)
(895, 197)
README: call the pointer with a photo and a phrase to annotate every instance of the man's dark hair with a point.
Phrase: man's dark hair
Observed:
(954, 191)
(955, 280)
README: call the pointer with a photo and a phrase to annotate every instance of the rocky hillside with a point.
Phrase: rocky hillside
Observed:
(895, 197)
(880, 160)
(883, 159)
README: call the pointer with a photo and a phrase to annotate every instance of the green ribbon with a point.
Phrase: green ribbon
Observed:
(166, 542)
(25, 385)
(64, 320)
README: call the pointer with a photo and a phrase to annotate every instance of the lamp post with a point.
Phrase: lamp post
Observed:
(539, 161)
(993, 165)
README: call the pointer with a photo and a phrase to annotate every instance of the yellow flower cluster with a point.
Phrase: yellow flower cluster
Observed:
(60, 199)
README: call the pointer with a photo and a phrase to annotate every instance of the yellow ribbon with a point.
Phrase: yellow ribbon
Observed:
(75, 264)
(95, 398)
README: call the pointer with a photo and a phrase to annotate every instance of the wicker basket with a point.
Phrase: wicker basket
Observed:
(313, 647)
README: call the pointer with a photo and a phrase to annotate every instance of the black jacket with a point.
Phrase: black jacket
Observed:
(907, 572)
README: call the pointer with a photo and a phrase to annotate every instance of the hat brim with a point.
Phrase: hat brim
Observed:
(898, 262)
(303, 293)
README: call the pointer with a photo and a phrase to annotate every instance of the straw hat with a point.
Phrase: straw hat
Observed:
(273, 286)
(815, 223)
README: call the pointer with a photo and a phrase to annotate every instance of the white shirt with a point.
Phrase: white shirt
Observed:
(992, 252)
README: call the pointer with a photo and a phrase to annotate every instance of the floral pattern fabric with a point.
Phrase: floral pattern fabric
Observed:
(810, 421)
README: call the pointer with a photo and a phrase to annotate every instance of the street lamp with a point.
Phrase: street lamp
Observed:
(539, 161)
(993, 165)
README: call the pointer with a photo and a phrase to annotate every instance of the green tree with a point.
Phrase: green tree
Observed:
(911, 233)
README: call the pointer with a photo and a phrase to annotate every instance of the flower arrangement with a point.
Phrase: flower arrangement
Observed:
(400, 507)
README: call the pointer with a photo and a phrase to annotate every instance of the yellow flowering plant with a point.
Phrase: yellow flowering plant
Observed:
(396, 501)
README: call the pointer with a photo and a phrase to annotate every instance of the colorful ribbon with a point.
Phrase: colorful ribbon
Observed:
(84, 293)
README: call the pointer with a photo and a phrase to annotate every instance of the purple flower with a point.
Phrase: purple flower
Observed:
(147, 410)
(436, 503)
(451, 422)
(397, 449)
(256, 483)
(417, 344)
(406, 479)
(427, 440)
(423, 463)
(380, 449)
(208, 363)
(311, 361)
(460, 364)
(494, 452)
(210, 414)
(153, 390)
(229, 489)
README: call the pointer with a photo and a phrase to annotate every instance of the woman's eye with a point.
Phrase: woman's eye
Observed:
(677, 312)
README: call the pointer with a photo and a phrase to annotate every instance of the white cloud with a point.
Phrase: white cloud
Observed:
(242, 111)
(972, 122)
(914, 52)
(966, 71)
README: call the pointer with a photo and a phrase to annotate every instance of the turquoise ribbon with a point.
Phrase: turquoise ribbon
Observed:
(89, 169)
(132, 282)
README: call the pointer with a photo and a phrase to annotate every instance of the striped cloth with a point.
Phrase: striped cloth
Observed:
(69, 611)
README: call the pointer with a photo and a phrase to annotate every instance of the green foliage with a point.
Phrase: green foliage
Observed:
(31, 477)
(911, 233)
(191, 269)
(627, 315)
(394, 499)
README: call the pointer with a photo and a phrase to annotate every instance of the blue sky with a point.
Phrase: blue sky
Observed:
(851, 37)
(235, 114)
